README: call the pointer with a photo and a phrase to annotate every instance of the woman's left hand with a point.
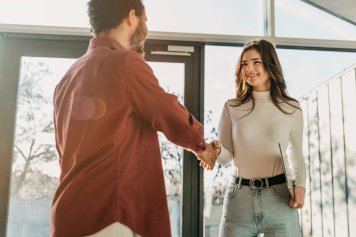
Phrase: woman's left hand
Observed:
(298, 201)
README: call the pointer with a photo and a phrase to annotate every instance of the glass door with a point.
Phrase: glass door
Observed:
(35, 167)
(29, 165)
(171, 79)
(177, 70)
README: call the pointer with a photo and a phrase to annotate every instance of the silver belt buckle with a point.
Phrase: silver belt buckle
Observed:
(255, 185)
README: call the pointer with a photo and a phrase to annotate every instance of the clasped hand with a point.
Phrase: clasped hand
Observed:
(209, 155)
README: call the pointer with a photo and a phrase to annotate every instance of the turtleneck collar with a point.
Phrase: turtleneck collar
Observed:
(261, 95)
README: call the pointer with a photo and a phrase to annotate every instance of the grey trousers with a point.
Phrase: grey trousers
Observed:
(263, 212)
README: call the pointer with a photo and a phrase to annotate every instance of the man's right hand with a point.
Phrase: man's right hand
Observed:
(209, 155)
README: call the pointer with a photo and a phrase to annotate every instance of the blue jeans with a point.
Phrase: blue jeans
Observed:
(249, 212)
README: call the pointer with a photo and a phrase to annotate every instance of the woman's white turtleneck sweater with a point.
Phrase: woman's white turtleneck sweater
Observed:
(251, 140)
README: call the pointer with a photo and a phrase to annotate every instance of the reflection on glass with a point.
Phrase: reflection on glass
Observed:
(297, 19)
(330, 120)
(35, 167)
(171, 79)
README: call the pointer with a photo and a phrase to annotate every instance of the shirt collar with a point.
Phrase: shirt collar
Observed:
(261, 95)
(101, 41)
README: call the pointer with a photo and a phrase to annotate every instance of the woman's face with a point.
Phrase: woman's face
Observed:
(253, 71)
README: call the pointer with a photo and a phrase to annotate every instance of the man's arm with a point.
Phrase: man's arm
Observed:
(162, 110)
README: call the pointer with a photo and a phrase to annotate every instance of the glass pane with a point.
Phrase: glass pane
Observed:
(45, 13)
(298, 19)
(35, 167)
(171, 78)
(35, 171)
(234, 17)
(304, 70)
(220, 64)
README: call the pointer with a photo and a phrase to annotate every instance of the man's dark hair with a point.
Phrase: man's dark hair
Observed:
(108, 14)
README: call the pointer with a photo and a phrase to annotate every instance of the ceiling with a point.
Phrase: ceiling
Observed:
(345, 9)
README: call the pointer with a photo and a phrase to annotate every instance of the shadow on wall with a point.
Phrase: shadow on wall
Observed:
(330, 129)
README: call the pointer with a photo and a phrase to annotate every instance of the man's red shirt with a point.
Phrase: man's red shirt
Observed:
(108, 109)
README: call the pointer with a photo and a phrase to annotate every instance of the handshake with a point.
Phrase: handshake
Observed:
(209, 155)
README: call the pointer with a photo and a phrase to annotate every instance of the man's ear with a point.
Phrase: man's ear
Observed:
(131, 18)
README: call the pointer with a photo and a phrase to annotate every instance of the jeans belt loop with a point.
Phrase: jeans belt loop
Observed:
(267, 183)
(239, 183)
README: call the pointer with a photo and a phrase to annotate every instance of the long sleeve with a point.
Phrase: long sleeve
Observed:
(160, 109)
(225, 137)
(295, 149)
(250, 137)
(108, 108)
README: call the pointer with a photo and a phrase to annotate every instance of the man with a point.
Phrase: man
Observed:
(108, 109)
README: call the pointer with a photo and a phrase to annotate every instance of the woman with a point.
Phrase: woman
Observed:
(261, 118)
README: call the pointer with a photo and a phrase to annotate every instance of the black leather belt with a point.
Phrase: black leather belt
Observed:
(260, 182)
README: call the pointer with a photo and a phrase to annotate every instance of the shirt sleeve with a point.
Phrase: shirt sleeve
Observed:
(160, 109)
(295, 149)
(225, 137)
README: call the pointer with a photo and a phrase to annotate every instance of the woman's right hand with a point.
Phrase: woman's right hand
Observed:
(217, 146)
(216, 150)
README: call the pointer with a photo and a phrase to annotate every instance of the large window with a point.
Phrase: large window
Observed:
(171, 78)
(232, 17)
(35, 164)
(35, 168)
(297, 19)
(44, 13)
(220, 64)
(305, 70)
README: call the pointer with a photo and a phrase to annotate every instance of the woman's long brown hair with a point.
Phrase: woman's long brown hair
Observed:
(273, 67)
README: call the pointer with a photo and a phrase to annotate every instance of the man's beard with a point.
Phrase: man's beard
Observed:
(138, 38)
